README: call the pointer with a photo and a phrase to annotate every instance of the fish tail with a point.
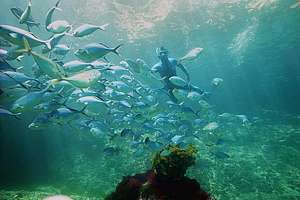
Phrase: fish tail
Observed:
(48, 43)
(115, 50)
(82, 111)
(37, 24)
(28, 28)
(47, 89)
(26, 46)
(57, 3)
(103, 27)
(17, 116)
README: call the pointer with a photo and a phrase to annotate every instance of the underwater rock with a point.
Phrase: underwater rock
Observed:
(165, 181)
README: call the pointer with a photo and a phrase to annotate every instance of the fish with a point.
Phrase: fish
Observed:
(97, 131)
(221, 155)
(153, 145)
(211, 126)
(98, 64)
(111, 151)
(40, 122)
(177, 139)
(176, 80)
(4, 65)
(28, 101)
(125, 103)
(126, 132)
(58, 197)
(16, 36)
(83, 79)
(61, 49)
(48, 66)
(30, 22)
(87, 29)
(194, 96)
(26, 14)
(76, 66)
(61, 114)
(4, 112)
(59, 26)
(216, 81)
(13, 78)
(50, 14)
(191, 55)
(120, 86)
(95, 51)
(225, 115)
(133, 65)
(54, 42)
(94, 105)
(6, 55)
(243, 118)
(220, 141)
(295, 5)
(198, 122)
(47, 106)
(4, 43)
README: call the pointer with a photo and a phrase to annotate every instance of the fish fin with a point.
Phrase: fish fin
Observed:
(21, 84)
(69, 33)
(26, 45)
(17, 116)
(28, 28)
(50, 43)
(13, 35)
(19, 58)
(115, 50)
(104, 44)
(59, 93)
(57, 3)
(37, 24)
(83, 109)
(103, 27)
(47, 89)
(105, 59)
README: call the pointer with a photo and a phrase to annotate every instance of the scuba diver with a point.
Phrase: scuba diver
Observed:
(167, 68)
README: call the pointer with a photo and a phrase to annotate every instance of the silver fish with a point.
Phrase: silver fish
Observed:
(192, 54)
(87, 29)
(50, 14)
(59, 26)
(95, 51)
(26, 14)
(16, 36)
(4, 112)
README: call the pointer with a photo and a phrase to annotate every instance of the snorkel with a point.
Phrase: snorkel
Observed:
(162, 54)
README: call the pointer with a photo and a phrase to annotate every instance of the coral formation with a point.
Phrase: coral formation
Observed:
(165, 181)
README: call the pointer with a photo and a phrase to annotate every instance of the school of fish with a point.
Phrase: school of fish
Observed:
(92, 95)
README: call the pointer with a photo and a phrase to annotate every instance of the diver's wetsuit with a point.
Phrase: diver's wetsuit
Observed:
(167, 68)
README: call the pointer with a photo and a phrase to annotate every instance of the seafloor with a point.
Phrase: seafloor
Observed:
(255, 161)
